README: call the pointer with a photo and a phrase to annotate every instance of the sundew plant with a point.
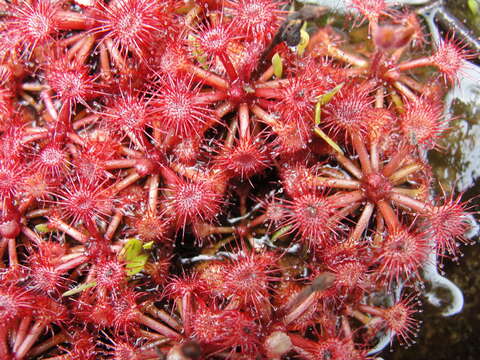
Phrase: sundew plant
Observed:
(219, 179)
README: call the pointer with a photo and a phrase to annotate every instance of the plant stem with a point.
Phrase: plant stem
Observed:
(113, 225)
(73, 263)
(207, 77)
(395, 162)
(126, 182)
(4, 351)
(301, 308)
(362, 153)
(415, 205)
(154, 181)
(244, 122)
(119, 164)
(157, 326)
(61, 226)
(389, 215)
(346, 198)
(12, 252)
(337, 183)
(49, 343)
(162, 315)
(400, 175)
(33, 335)
(229, 68)
(362, 222)
(349, 165)
(22, 332)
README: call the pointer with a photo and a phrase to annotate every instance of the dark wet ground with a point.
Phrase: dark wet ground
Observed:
(456, 337)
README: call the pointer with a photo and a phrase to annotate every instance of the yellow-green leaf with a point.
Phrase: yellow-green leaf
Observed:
(474, 6)
(325, 99)
(277, 65)
(132, 248)
(197, 52)
(318, 112)
(148, 245)
(79, 288)
(397, 101)
(43, 228)
(279, 233)
(137, 265)
(134, 256)
(304, 40)
(328, 140)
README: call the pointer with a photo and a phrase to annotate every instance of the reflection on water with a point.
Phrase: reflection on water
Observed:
(462, 143)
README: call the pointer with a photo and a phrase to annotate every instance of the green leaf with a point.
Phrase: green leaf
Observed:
(473, 6)
(139, 259)
(137, 265)
(277, 65)
(304, 40)
(132, 248)
(148, 246)
(322, 100)
(318, 113)
(43, 228)
(79, 288)
(397, 101)
(279, 233)
(134, 255)
(325, 99)
(328, 140)
(197, 52)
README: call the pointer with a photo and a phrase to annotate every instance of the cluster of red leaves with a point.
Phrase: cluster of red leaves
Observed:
(276, 206)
